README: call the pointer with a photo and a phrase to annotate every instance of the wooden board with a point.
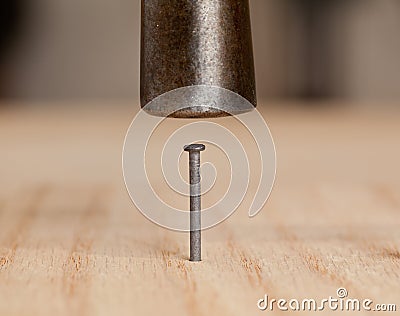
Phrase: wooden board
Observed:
(71, 242)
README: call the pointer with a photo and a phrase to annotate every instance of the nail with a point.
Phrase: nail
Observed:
(195, 199)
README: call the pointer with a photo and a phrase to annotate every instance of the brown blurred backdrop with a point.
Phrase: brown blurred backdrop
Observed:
(71, 49)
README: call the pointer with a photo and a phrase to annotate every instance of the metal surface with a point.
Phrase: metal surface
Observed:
(196, 43)
(195, 200)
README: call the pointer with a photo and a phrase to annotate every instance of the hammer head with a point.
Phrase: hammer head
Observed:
(196, 58)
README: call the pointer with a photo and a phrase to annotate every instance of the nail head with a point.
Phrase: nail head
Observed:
(194, 147)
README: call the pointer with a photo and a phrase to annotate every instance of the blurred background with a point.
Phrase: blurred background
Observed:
(310, 49)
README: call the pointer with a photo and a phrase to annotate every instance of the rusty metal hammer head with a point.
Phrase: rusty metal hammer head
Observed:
(196, 58)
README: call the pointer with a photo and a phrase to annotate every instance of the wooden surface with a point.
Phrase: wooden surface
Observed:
(72, 243)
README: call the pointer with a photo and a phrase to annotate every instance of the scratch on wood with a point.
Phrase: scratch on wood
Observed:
(77, 263)
(394, 254)
(20, 231)
(252, 266)
(166, 257)
(385, 251)
(182, 266)
(315, 264)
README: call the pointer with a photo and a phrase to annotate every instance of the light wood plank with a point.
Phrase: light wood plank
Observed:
(71, 242)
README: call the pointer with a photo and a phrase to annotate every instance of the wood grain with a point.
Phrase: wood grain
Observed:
(71, 242)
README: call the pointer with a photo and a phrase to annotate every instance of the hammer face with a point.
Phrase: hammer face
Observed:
(196, 43)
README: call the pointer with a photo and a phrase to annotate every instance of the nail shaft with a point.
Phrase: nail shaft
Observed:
(195, 200)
